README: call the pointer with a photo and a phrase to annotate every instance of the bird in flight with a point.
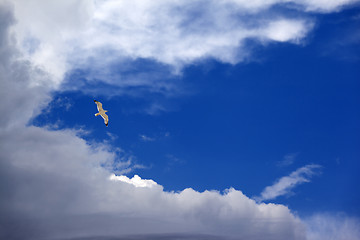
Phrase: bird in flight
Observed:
(102, 112)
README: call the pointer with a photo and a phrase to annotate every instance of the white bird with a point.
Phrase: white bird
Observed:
(102, 112)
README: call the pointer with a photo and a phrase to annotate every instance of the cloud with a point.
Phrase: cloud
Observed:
(285, 30)
(173, 161)
(136, 181)
(105, 41)
(332, 227)
(131, 48)
(288, 159)
(324, 6)
(285, 184)
(27, 83)
(146, 138)
(54, 178)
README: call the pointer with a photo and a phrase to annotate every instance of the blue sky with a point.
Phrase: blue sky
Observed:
(270, 109)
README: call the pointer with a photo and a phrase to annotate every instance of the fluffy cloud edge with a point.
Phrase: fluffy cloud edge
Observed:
(135, 180)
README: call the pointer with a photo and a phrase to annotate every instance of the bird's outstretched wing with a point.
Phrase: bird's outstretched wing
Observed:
(99, 105)
(106, 118)
(102, 112)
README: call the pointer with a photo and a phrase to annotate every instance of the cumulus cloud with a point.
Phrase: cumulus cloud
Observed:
(285, 184)
(53, 180)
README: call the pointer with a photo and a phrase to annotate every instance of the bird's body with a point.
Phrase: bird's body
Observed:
(102, 112)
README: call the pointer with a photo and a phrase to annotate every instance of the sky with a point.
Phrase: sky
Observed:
(228, 119)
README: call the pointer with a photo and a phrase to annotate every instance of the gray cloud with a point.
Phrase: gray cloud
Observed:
(22, 97)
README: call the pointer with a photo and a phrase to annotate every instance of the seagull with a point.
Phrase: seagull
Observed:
(102, 112)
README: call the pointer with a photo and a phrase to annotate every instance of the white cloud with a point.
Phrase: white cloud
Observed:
(108, 38)
(46, 29)
(101, 36)
(179, 33)
(146, 138)
(324, 5)
(285, 184)
(135, 180)
(332, 227)
(288, 159)
(285, 30)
